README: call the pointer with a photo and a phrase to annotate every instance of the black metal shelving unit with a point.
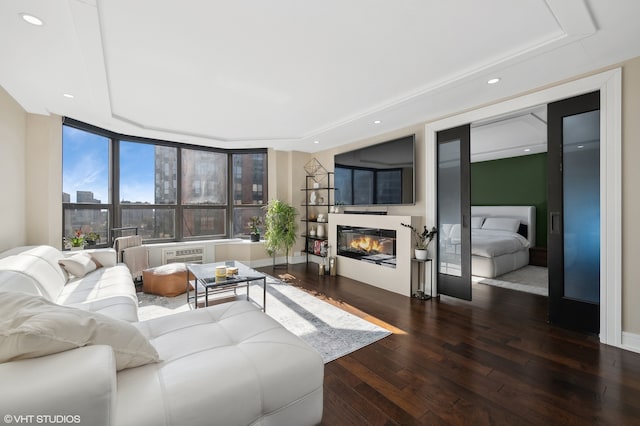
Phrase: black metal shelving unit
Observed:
(315, 209)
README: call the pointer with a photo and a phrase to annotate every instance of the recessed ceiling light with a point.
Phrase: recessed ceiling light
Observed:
(580, 146)
(377, 122)
(494, 80)
(33, 20)
(316, 141)
(527, 150)
(68, 95)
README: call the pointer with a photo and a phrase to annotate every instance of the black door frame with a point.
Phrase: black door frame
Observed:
(451, 285)
(564, 311)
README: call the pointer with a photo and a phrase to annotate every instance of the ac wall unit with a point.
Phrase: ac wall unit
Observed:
(183, 255)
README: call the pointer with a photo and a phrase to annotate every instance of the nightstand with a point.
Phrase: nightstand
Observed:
(538, 256)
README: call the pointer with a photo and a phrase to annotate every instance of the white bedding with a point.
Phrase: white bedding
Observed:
(492, 243)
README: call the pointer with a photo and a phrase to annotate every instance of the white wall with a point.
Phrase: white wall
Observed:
(13, 129)
(44, 180)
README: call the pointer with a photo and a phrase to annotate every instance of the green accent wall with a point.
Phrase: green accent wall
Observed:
(516, 181)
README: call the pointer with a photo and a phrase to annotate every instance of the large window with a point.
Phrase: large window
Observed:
(249, 189)
(169, 191)
(85, 184)
(148, 189)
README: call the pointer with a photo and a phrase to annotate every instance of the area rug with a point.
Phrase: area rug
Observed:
(332, 331)
(530, 279)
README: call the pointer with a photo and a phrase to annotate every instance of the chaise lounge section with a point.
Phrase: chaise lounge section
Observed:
(226, 364)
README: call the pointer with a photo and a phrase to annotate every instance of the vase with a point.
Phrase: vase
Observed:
(421, 254)
(73, 248)
(320, 230)
(255, 238)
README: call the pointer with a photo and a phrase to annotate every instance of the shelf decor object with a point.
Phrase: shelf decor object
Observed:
(316, 171)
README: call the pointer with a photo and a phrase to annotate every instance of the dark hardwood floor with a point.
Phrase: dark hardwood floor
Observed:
(492, 361)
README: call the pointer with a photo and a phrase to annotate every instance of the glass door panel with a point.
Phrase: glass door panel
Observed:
(454, 233)
(581, 201)
(449, 214)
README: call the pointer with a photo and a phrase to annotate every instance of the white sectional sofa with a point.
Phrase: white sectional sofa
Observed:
(72, 346)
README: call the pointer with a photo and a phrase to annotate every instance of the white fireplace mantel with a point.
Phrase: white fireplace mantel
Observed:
(396, 279)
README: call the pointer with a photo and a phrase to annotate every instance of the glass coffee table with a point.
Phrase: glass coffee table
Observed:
(205, 277)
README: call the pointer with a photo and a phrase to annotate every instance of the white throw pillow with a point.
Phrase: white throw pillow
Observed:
(476, 222)
(31, 326)
(79, 265)
(104, 257)
(501, 224)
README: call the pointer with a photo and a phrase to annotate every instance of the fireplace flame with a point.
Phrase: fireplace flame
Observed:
(367, 244)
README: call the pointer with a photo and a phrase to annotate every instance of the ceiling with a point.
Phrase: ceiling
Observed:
(286, 73)
(514, 135)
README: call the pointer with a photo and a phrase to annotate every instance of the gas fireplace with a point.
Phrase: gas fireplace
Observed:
(373, 245)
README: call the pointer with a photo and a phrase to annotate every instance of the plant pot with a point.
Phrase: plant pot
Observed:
(255, 238)
(421, 254)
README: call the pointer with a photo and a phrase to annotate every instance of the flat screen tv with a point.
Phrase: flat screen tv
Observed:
(381, 174)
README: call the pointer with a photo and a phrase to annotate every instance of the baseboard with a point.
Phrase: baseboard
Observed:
(631, 341)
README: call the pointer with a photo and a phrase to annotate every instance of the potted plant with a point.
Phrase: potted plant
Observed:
(280, 228)
(423, 239)
(254, 231)
(92, 238)
(77, 240)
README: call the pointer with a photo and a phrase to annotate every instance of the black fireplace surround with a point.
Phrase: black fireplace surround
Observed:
(373, 245)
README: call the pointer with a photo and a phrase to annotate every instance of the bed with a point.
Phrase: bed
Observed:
(500, 238)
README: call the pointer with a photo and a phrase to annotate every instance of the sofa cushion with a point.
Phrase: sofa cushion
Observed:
(39, 263)
(31, 326)
(214, 357)
(79, 264)
(109, 291)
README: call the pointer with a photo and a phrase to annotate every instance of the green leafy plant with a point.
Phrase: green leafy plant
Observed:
(422, 238)
(280, 227)
(77, 239)
(254, 223)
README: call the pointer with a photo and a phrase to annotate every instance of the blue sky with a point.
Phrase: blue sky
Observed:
(85, 162)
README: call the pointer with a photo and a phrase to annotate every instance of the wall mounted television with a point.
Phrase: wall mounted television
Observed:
(380, 174)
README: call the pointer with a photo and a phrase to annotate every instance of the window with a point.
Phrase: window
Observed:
(148, 188)
(169, 191)
(85, 183)
(249, 184)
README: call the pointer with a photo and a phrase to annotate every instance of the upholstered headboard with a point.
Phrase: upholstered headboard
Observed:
(526, 215)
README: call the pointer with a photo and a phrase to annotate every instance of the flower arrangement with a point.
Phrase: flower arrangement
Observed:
(422, 238)
(77, 240)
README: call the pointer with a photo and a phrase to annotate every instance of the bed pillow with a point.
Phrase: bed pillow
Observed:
(476, 222)
(31, 327)
(501, 224)
(79, 265)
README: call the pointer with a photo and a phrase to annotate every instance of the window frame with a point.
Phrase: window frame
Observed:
(115, 207)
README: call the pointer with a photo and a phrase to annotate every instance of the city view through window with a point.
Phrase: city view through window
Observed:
(151, 194)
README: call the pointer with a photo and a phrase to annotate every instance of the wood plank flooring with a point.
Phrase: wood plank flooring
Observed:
(492, 361)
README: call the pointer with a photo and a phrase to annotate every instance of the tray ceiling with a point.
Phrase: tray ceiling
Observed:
(286, 73)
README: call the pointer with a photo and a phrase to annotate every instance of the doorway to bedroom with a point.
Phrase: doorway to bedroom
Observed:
(491, 241)
(508, 191)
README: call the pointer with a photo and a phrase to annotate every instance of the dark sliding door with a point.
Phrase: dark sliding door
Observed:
(574, 212)
(454, 213)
